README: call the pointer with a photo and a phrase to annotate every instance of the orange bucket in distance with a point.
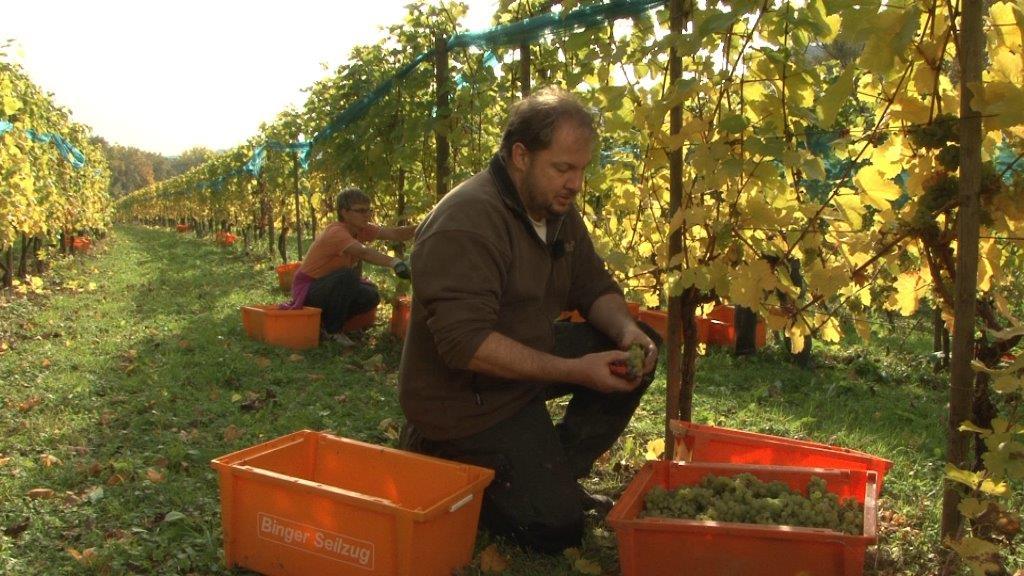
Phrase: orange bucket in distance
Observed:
(285, 273)
(401, 311)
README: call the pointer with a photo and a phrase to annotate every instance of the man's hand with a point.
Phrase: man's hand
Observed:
(597, 372)
(634, 335)
(402, 270)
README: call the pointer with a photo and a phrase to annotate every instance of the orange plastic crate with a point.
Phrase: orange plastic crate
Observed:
(721, 334)
(360, 321)
(674, 547)
(401, 311)
(252, 321)
(285, 273)
(572, 316)
(657, 319)
(296, 329)
(701, 443)
(312, 503)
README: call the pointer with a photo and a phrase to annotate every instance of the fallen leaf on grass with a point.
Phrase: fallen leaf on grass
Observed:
(4, 460)
(232, 433)
(262, 361)
(655, 449)
(30, 404)
(296, 358)
(85, 556)
(390, 428)
(376, 363)
(184, 344)
(584, 566)
(15, 530)
(341, 398)
(314, 377)
(40, 493)
(106, 418)
(48, 460)
(45, 363)
(115, 479)
(4, 346)
(491, 561)
(155, 476)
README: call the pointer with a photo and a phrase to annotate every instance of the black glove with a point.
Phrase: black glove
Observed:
(402, 270)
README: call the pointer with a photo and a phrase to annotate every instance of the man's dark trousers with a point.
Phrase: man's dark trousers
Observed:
(535, 497)
(341, 295)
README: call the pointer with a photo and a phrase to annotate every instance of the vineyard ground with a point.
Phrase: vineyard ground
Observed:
(116, 397)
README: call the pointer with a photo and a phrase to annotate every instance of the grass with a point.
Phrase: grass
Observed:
(117, 398)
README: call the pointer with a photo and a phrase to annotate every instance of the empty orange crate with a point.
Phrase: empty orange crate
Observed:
(674, 547)
(721, 334)
(285, 273)
(700, 443)
(296, 329)
(656, 319)
(401, 311)
(312, 503)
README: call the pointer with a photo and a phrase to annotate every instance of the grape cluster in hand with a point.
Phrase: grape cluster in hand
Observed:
(744, 498)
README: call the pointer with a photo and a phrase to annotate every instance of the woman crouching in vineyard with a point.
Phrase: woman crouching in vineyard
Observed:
(329, 276)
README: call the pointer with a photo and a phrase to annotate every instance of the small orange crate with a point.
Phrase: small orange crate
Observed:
(401, 312)
(360, 321)
(252, 321)
(312, 503)
(285, 273)
(675, 547)
(657, 319)
(701, 443)
(296, 329)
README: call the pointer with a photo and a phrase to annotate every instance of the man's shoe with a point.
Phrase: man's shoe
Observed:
(594, 502)
(343, 339)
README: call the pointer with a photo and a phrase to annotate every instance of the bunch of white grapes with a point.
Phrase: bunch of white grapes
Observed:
(744, 498)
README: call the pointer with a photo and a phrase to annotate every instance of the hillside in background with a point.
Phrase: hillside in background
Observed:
(132, 169)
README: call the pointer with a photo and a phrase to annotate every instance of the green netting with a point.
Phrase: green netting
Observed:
(512, 34)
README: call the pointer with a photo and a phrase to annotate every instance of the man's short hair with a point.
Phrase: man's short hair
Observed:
(349, 197)
(532, 120)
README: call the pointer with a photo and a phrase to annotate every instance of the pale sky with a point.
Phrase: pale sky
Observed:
(168, 76)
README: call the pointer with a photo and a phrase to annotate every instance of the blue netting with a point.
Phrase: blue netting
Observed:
(259, 156)
(5, 126)
(69, 152)
(512, 34)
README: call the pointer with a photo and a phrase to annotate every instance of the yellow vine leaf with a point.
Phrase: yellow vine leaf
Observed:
(835, 96)
(876, 190)
(909, 289)
(863, 328)
(749, 281)
(1006, 25)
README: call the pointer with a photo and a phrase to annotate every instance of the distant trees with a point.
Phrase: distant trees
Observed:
(132, 168)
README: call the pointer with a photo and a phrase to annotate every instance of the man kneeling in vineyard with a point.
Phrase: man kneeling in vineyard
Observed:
(496, 261)
(329, 276)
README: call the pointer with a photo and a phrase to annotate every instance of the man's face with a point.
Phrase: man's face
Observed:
(551, 178)
(358, 214)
